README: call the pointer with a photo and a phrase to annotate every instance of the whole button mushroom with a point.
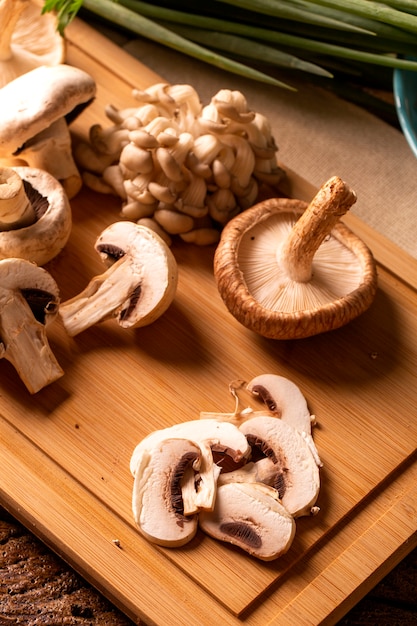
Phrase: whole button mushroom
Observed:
(33, 124)
(136, 289)
(35, 215)
(29, 299)
(287, 269)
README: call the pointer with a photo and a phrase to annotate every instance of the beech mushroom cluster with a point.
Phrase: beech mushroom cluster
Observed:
(287, 269)
(242, 477)
(184, 168)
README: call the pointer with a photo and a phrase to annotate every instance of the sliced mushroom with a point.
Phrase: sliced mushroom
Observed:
(284, 399)
(33, 127)
(213, 438)
(35, 215)
(157, 493)
(28, 38)
(286, 463)
(250, 516)
(137, 288)
(29, 300)
(287, 269)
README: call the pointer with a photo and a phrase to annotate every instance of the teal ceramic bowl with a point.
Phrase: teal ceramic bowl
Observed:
(405, 95)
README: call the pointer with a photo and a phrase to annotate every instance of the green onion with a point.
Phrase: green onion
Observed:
(253, 37)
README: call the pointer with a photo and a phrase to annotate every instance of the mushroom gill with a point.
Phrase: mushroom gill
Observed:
(289, 269)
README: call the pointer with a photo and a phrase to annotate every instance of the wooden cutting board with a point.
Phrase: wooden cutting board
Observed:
(65, 451)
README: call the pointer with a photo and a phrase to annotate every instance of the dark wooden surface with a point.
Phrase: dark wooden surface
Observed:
(38, 589)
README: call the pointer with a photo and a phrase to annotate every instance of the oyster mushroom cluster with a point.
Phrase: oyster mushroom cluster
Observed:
(243, 477)
(184, 168)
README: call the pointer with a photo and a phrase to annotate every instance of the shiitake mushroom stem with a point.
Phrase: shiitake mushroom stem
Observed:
(331, 202)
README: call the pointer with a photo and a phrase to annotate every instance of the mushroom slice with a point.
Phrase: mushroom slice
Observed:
(250, 516)
(29, 300)
(157, 499)
(34, 109)
(287, 269)
(211, 436)
(284, 399)
(136, 289)
(287, 462)
(38, 215)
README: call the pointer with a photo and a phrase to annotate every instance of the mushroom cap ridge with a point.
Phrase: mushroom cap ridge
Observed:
(35, 100)
(287, 325)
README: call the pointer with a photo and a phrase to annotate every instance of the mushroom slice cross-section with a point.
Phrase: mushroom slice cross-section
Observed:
(211, 436)
(34, 109)
(286, 463)
(287, 269)
(157, 492)
(284, 399)
(138, 286)
(250, 516)
(35, 215)
(29, 300)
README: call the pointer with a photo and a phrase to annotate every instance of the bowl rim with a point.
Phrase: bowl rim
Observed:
(405, 99)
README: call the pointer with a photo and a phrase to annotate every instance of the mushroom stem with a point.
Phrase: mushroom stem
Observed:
(10, 11)
(331, 202)
(16, 210)
(103, 298)
(24, 343)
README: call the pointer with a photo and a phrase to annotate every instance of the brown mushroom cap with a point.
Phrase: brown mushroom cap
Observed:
(340, 286)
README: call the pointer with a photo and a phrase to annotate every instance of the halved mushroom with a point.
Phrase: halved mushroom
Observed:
(286, 463)
(250, 516)
(33, 125)
(287, 269)
(35, 215)
(157, 500)
(28, 38)
(136, 289)
(29, 300)
(212, 437)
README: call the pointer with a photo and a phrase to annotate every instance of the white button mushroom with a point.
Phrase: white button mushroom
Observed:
(33, 125)
(212, 437)
(35, 215)
(287, 462)
(250, 516)
(157, 499)
(29, 299)
(136, 289)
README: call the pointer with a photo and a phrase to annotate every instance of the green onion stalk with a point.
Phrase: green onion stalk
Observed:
(359, 41)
